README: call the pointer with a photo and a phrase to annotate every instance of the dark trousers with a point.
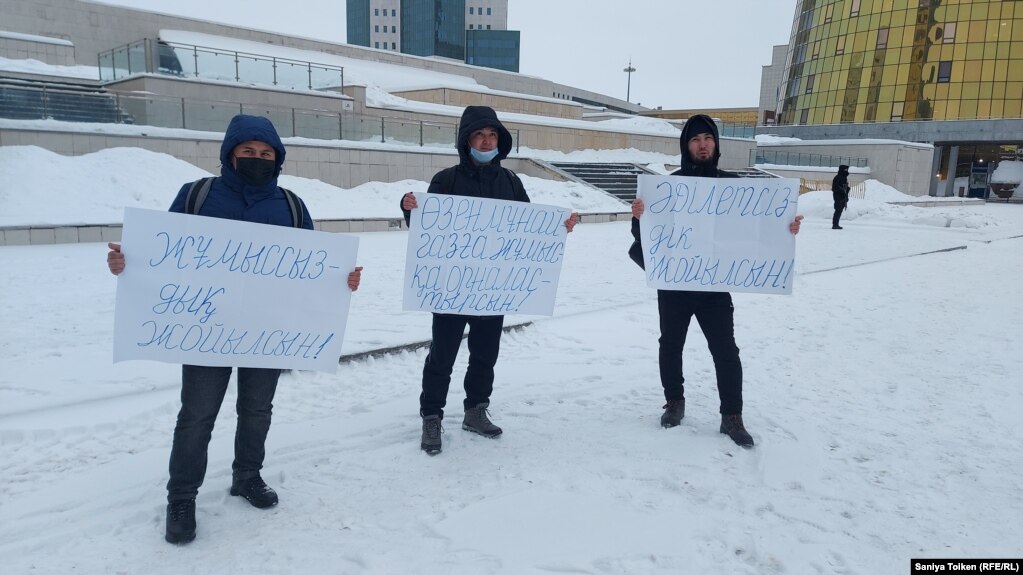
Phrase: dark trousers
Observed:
(484, 346)
(839, 208)
(714, 312)
(202, 392)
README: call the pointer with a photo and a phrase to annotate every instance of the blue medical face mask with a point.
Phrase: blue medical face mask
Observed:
(483, 157)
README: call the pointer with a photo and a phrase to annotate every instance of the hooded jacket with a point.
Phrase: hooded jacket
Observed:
(231, 198)
(840, 186)
(689, 167)
(479, 181)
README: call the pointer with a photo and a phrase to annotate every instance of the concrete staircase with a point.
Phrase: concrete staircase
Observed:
(619, 180)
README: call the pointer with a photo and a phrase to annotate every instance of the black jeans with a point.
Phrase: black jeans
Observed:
(839, 207)
(202, 392)
(484, 346)
(714, 312)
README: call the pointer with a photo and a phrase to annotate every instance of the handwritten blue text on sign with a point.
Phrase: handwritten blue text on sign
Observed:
(718, 234)
(478, 256)
(215, 292)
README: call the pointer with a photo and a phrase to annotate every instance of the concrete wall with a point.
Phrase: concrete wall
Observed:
(95, 28)
(902, 165)
(54, 53)
(501, 103)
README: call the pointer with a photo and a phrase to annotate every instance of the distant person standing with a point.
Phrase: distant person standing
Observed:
(840, 191)
(483, 142)
(713, 310)
(251, 158)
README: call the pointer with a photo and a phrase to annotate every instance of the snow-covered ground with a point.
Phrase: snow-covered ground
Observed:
(883, 395)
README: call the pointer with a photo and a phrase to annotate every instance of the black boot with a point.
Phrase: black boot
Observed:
(732, 426)
(432, 429)
(255, 491)
(674, 411)
(180, 521)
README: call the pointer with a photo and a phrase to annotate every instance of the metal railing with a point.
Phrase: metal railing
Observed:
(31, 103)
(783, 158)
(187, 60)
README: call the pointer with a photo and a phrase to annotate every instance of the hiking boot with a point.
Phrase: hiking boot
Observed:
(180, 521)
(431, 435)
(674, 411)
(255, 491)
(476, 421)
(731, 425)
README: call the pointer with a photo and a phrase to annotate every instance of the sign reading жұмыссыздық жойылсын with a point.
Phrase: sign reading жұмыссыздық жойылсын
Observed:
(718, 234)
(216, 292)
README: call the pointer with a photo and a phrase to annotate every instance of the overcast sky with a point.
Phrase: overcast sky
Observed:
(687, 53)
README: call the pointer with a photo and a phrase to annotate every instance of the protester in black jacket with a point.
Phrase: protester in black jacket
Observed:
(482, 143)
(840, 192)
(713, 310)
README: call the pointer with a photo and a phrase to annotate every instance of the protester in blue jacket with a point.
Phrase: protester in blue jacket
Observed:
(251, 158)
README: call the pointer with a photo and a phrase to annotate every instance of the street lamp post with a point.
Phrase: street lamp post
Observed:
(628, 87)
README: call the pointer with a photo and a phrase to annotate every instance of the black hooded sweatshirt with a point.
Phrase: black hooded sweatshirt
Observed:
(689, 168)
(479, 181)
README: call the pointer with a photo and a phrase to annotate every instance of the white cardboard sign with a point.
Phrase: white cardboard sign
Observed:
(217, 292)
(718, 234)
(480, 256)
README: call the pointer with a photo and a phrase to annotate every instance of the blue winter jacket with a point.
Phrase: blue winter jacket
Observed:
(230, 198)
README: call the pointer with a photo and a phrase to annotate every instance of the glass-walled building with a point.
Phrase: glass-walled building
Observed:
(437, 28)
(948, 72)
(893, 60)
(433, 28)
(493, 48)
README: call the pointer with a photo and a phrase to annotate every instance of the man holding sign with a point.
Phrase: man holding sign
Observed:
(251, 158)
(713, 309)
(482, 143)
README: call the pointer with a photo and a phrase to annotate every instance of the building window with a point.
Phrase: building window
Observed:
(472, 10)
(828, 13)
(376, 11)
(854, 10)
(897, 111)
(394, 46)
(840, 48)
(816, 50)
(804, 115)
(376, 44)
(394, 29)
(488, 11)
(948, 34)
(944, 72)
(394, 12)
(376, 28)
(488, 26)
(809, 84)
(470, 26)
(882, 39)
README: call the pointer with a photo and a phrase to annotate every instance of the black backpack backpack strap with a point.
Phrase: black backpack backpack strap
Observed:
(295, 204)
(197, 195)
(200, 189)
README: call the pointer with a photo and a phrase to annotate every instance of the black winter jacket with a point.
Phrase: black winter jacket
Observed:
(479, 181)
(840, 186)
(688, 168)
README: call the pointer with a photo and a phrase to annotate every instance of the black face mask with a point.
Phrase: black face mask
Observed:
(255, 171)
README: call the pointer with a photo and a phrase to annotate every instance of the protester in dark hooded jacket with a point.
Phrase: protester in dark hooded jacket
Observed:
(251, 157)
(483, 142)
(713, 310)
(840, 192)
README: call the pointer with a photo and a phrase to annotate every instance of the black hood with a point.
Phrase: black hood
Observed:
(696, 124)
(476, 118)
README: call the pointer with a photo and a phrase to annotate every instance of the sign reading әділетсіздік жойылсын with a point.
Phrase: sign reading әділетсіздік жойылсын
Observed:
(718, 234)
(217, 292)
